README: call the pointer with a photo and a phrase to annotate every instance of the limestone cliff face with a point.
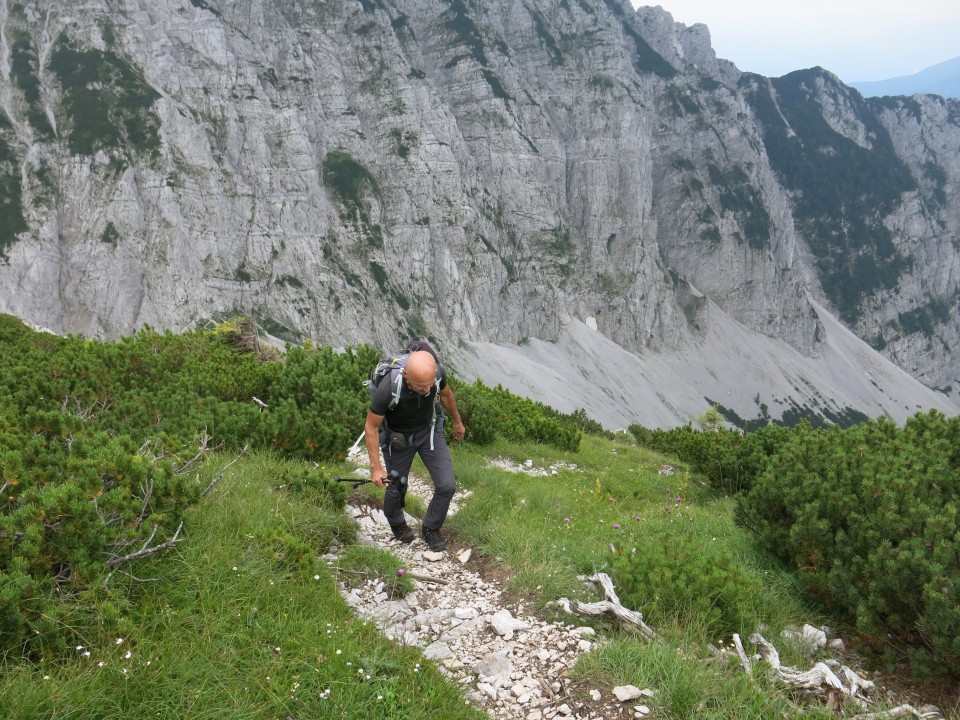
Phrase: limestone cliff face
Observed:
(475, 171)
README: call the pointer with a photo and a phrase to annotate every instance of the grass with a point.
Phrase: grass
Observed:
(244, 619)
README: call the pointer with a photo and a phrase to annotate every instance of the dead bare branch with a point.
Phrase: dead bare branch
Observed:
(429, 578)
(744, 660)
(146, 551)
(147, 491)
(219, 477)
(106, 580)
(201, 451)
(925, 712)
(820, 679)
(84, 413)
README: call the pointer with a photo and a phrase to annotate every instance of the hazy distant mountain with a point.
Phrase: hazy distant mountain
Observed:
(942, 79)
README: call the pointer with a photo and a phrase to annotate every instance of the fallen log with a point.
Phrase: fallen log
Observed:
(820, 678)
(610, 606)
(925, 712)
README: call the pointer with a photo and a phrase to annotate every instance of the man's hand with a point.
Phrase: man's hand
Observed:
(377, 476)
(458, 430)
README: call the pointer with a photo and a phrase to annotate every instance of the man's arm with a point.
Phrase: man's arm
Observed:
(372, 439)
(449, 403)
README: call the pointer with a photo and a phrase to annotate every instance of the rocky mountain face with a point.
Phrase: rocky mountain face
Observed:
(477, 172)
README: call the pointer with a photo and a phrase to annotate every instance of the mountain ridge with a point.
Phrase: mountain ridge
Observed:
(941, 79)
(474, 172)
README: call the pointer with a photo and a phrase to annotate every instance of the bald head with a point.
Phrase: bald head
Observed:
(420, 374)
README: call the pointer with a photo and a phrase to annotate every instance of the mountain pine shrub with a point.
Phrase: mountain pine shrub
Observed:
(318, 402)
(729, 459)
(74, 502)
(868, 517)
(495, 412)
(674, 574)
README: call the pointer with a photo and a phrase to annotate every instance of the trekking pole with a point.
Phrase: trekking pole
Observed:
(356, 444)
(356, 482)
(394, 476)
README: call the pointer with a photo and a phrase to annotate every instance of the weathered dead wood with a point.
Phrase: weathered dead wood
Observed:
(147, 492)
(925, 712)
(744, 660)
(203, 443)
(213, 483)
(822, 681)
(428, 578)
(610, 606)
(146, 551)
(820, 678)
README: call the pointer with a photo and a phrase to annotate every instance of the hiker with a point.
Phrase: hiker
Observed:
(403, 421)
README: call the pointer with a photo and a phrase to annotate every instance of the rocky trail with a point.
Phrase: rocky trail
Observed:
(511, 662)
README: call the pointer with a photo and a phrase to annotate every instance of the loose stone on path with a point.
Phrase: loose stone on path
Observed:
(515, 664)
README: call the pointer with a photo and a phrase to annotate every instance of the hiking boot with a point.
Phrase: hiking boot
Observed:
(403, 533)
(433, 539)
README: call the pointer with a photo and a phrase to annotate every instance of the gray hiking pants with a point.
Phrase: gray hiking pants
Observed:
(437, 462)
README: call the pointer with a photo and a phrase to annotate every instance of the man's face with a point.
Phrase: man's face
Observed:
(421, 386)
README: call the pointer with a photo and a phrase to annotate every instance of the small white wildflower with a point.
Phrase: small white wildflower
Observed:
(339, 652)
(316, 577)
(79, 647)
(100, 664)
(46, 677)
(86, 654)
(127, 656)
(118, 641)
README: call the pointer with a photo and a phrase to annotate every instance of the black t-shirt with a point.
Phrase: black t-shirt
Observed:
(413, 412)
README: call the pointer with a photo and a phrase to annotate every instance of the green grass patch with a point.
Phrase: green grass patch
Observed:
(243, 620)
(685, 685)
(669, 542)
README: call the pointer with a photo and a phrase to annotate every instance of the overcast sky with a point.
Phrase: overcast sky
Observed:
(855, 39)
